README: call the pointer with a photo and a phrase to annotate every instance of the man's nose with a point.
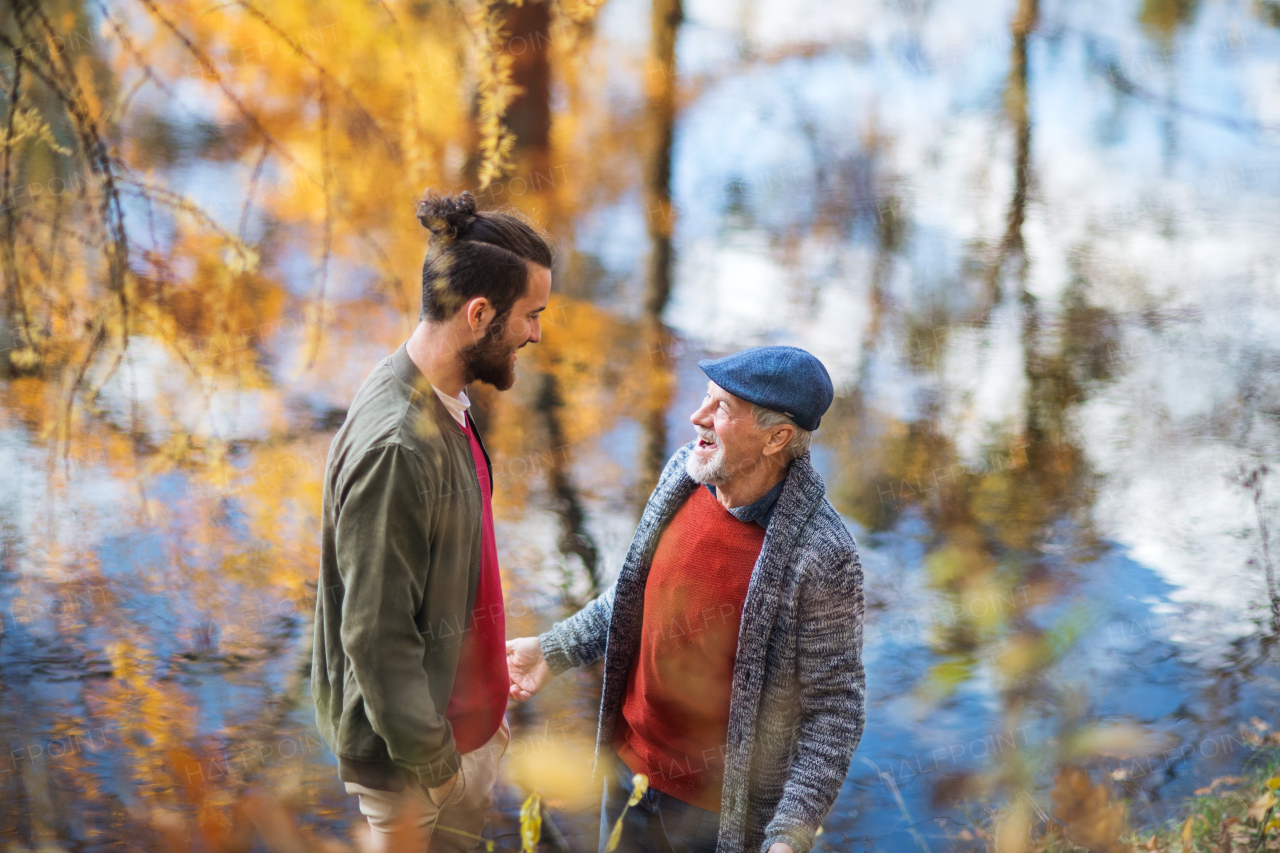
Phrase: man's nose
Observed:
(702, 417)
(532, 333)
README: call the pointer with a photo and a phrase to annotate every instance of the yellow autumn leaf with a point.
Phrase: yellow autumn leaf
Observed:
(531, 823)
(1122, 740)
(1260, 806)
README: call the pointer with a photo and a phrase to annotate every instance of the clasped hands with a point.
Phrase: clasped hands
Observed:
(526, 667)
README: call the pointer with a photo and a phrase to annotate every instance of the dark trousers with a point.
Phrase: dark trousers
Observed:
(659, 823)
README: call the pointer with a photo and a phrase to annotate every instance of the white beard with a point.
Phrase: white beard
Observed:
(711, 471)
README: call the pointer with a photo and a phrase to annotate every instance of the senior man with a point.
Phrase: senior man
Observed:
(732, 638)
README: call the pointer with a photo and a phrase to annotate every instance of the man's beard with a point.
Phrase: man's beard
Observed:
(711, 471)
(490, 360)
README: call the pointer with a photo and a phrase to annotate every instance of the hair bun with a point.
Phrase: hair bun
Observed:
(448, 216)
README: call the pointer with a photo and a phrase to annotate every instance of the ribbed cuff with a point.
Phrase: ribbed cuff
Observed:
(389, 776)
(801, 841)
(553, 653)
(375, 774)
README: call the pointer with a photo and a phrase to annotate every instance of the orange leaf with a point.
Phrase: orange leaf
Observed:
(1089, 819)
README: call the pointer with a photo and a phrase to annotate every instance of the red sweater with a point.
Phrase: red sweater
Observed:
(675, 717)
(479, 697)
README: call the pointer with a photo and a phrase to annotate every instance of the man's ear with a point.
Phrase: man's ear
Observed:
(778, 439)
(479, 313)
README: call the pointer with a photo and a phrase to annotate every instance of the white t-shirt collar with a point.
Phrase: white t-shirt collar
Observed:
(457, 406)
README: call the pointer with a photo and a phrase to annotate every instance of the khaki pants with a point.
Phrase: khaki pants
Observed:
(411, 820)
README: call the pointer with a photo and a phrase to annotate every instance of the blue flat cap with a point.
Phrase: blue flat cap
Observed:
(784, 379)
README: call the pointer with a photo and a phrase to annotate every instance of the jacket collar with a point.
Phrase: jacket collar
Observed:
(421, 392)
(804, 489)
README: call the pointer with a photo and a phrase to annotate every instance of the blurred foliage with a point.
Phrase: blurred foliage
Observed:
(1163, 17)
(143, 314)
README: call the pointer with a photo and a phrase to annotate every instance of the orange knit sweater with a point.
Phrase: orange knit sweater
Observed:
(675, 717)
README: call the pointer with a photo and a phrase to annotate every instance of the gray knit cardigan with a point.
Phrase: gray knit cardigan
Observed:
(797, 703)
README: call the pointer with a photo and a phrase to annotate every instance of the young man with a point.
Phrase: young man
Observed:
(409, 671)
(732, 638)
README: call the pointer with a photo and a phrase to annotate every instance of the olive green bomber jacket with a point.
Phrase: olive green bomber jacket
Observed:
(399, 568)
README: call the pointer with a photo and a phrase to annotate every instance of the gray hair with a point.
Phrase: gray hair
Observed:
(768, 419)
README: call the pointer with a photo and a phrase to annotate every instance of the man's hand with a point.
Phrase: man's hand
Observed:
(527, 667)
(779, 847)
(440, 794)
